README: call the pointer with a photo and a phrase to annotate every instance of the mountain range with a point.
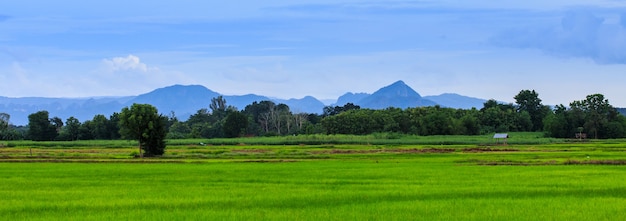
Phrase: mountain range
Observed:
(185, 100)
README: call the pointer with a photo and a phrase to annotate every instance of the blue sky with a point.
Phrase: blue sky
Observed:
(564, 50)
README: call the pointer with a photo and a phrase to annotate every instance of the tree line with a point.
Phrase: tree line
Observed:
(593, 116)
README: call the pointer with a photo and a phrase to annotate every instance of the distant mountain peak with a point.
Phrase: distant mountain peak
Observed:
(397, 94)
(185, 100)
(398, 89)
(399, 82)
(457, 101)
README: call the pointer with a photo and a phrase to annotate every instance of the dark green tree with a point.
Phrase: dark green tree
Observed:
(41, 127)
(598, 114)
(72, 128)
(529, 101)
(100, 127)
(258, 116)
(143, 122)
(113, 126)
(57, 123)
(556, 123)
(4, 125)
(85, 132)
(179, 130)
(235, 124)
(4, 121)
(218, 105)
(330, 110)
(155, 144)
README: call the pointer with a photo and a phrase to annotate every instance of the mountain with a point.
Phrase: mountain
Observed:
(307, 104)
(241, 101)
(185, 100)
(457, 101)
(81, 108)
(350, 98)
(397, 95)
(182, 100)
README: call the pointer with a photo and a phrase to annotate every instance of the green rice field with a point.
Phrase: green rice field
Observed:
(537, 180)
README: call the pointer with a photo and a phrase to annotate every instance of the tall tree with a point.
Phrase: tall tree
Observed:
(598, 113)
(330, 110)
(100, 127)
(113, 126)
(4, 125)
(57, 123)
(41, 127)
(259, 114)
(143, 122)
(235, 124)
(218, 107)
(72, 128)
(4, 121)
(529, 101)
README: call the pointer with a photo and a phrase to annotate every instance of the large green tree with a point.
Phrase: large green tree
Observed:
(598, 114)
(330, 110)
(40, 127)
(143, 122)
(100, 127)
(594, 116)
(235, 124)
(4, 125)
(529, 101)
(72, 128)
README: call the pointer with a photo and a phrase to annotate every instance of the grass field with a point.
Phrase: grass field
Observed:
(334, 181)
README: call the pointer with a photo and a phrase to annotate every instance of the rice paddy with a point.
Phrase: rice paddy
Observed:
(545, 181)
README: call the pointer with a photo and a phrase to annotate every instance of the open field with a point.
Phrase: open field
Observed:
(332, 181)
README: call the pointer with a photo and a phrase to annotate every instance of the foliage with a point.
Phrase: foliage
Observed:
(594, 115)
(266, 119)
(366, 182)
(330, 110)
(41, 127)
(72, 128)
(529, 101)
(235, 124)
(143, 123)
(4, 121)
(6, 130)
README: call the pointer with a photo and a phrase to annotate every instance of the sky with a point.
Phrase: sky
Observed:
(562, 49)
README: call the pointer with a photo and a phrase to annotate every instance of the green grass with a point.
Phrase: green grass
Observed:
(432, 188)
(534, 179)
(316, 139)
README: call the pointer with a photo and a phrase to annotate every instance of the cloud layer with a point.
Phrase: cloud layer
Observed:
(323, 48)
(579, 34)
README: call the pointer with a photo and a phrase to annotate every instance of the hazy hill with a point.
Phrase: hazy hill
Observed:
(185, 100)
(397, 94)
(241, 101)
(351, 98)
(81, 108)
(307, 104)
(457, 101)
(402, 90)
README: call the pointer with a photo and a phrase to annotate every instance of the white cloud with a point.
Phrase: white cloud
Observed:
(129, 63)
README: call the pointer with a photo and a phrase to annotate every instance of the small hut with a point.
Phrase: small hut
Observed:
(501, 138)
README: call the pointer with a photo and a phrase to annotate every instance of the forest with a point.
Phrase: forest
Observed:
(592, 117)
